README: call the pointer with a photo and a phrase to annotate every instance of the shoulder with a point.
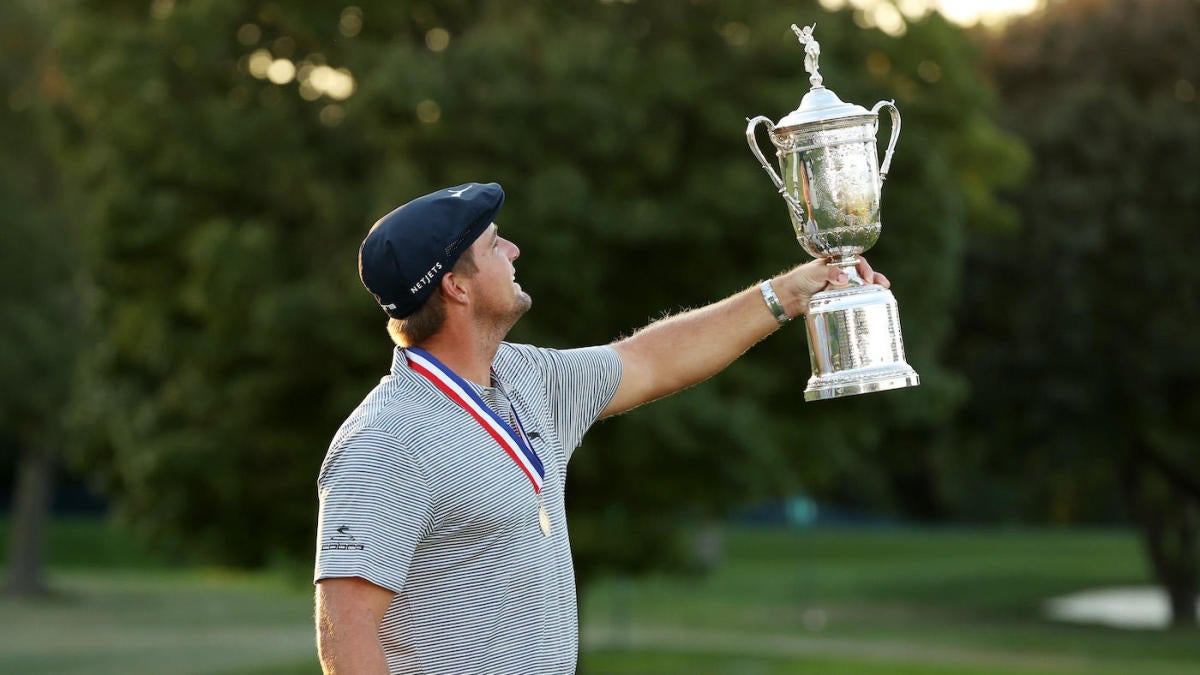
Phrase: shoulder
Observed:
(388, 426)
(546, 360)
(394, 400)
(517, 352)
(516, 362)
(363, 452)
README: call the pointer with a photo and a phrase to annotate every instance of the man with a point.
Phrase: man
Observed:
(442, 541)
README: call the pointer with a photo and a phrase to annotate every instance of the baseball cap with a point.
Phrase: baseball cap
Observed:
(408, 251)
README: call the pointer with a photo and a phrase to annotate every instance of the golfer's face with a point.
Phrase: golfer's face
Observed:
(495, 282)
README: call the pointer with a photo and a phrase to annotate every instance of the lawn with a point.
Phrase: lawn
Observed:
(882, 601)
(893, 601)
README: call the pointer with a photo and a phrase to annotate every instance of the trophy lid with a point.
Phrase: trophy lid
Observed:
(819, 104)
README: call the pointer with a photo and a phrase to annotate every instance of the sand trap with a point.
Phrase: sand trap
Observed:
(1139, 607)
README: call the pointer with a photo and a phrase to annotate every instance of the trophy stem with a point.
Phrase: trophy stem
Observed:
(849, 265)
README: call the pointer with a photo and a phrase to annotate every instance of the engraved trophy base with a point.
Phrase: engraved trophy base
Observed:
(854, 343)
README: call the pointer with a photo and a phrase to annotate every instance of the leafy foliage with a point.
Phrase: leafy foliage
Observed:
(1081, 329)
(1088, 305)
(40, 314)
(39, 311)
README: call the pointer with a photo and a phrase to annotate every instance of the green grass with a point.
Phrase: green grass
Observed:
(781, 602)
(887, 601)
(649, 662)
(143, 622)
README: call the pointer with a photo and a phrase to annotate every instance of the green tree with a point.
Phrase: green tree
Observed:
(40, 320)
(227, 209)
(1080, 330)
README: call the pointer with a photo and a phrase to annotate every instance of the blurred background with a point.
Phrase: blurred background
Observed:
(184, 185)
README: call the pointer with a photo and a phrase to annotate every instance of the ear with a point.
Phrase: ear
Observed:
(453, 290)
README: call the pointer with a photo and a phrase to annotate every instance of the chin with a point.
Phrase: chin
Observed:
(521, 305)
(524, 302)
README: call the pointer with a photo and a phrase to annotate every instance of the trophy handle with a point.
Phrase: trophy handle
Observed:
(751, 127)
(887, 156)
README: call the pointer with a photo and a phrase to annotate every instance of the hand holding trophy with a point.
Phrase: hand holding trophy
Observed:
(831, 181)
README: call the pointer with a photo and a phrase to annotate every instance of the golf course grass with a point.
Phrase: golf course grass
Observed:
(891, 601)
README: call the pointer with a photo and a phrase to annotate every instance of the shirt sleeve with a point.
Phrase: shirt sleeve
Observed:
(376, 507)
(580, 383)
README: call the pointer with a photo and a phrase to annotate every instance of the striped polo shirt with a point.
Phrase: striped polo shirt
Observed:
(418, 498)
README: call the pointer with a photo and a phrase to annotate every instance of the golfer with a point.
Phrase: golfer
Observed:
(442, 540)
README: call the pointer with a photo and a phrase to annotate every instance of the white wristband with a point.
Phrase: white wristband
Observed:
(773, 303)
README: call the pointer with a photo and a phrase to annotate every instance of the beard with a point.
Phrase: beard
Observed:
(523, 303)
(502, 320)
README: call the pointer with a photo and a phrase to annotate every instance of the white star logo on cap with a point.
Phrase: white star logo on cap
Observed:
(459, 193)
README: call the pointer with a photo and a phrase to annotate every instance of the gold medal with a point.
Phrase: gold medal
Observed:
(543, 520)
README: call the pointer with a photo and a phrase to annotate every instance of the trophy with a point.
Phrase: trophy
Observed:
(831, 180)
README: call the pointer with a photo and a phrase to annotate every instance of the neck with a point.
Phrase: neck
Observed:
(470, 359)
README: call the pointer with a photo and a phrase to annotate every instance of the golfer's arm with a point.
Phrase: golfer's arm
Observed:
(679, 351)
(349, 612)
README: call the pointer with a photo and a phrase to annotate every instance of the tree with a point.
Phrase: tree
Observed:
(38, 294)
(1080, 330)
(226, 211)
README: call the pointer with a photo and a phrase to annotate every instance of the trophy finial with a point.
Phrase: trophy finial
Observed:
(812, 52)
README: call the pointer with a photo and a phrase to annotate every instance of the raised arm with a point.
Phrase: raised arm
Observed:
(349, 611)
(685, 349)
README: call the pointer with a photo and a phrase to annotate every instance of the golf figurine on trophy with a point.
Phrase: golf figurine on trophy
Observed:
(831, 180)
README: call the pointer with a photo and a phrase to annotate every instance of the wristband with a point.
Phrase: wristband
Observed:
(773, 303)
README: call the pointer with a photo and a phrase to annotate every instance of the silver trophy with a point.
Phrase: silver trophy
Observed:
(831, 183)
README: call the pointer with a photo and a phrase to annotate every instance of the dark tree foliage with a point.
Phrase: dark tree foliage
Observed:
(41, 323)
(1080, 332)
(226, 211)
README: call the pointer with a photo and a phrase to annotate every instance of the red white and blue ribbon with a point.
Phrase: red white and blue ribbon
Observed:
(453, 386)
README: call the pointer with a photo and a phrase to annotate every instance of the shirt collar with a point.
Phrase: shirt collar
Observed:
(400, 366)
(399, 361)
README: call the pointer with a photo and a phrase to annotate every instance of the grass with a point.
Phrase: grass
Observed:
(118, 608)
(781, 602)
(192, 622)
(892, 601)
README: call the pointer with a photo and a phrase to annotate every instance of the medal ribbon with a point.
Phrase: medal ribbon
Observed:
(461, 393)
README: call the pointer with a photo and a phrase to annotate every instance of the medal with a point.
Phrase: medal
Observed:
(514, 442)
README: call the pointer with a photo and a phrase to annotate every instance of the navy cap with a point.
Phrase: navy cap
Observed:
(408, 251)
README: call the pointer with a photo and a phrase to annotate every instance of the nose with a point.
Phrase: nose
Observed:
(514, 252)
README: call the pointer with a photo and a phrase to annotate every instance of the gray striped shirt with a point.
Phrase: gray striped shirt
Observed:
(417, 498)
